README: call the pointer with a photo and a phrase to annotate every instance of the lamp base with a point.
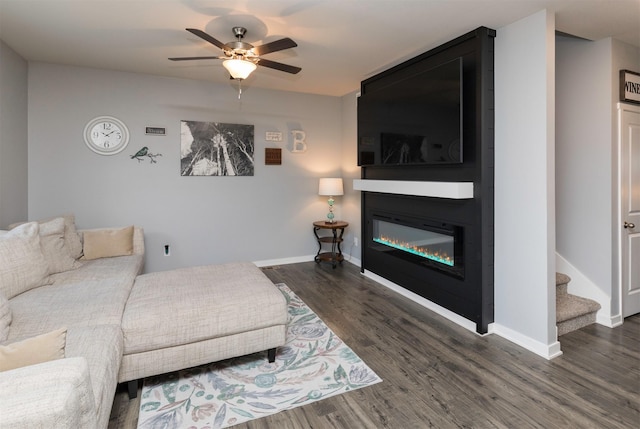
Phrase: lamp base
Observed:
(330, 215)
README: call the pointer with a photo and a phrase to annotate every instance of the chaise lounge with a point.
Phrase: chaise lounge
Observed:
(191, 316)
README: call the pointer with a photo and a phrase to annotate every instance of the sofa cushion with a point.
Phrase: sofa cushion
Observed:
(93, 294)
(22, 263)
(72, 243)
(55, 394)
(5, 318)
(54, 249)
(101, 346)
(71, 237)
(106, 243)
(172, 308)
(31, 351)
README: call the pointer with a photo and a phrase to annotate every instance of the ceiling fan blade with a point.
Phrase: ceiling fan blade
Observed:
(278, 66)
(277, 45)
(195, 58)
(201, 34)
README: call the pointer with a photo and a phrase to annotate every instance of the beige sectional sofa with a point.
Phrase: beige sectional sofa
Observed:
(67, 338)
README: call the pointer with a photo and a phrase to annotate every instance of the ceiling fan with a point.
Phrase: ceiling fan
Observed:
(241, 58)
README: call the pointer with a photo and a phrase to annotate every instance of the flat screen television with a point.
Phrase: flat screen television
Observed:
(415, 120)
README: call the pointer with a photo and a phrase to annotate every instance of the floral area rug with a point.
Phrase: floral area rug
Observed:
(314, 364)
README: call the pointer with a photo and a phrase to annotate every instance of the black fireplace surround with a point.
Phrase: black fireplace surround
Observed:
(439, 248)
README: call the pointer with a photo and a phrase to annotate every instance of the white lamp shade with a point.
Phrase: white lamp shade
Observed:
(239, 69)
(331, 186)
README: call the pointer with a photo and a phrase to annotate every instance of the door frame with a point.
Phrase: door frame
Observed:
(620, 233)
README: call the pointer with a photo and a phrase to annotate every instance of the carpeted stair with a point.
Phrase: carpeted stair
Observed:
(572, 312)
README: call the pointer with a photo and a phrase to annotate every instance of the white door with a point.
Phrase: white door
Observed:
(629, 187)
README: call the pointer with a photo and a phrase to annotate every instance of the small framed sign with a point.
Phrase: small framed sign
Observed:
(273, 136)
(155, 131)
(272, 156)
(629, 86)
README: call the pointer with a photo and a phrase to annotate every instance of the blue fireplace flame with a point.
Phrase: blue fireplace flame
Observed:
(421, 251)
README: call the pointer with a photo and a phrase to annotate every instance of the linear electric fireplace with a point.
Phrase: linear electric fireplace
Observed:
(438, 246)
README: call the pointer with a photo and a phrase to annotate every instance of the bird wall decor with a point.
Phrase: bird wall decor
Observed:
(139, 155)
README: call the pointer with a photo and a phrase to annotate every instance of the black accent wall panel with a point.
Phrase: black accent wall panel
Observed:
(471, 297)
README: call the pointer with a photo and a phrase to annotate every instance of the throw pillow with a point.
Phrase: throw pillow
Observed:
(22, 264)
(106, 243)
(43, 348)
(5, 318)
(72, 243)
(52, 243)
(71, 237)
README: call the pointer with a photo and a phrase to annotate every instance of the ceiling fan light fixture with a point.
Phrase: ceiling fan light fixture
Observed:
(239, 69)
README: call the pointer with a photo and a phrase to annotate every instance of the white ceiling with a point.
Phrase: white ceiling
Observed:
(340, 42)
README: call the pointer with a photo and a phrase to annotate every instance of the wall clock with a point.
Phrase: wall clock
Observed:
(106, 135)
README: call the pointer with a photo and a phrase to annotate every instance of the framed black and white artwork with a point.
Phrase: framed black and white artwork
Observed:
(216, 149)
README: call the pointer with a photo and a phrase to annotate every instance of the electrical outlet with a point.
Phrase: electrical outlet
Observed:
(355, 241)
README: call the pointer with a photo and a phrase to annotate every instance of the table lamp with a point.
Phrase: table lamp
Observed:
(330, 187)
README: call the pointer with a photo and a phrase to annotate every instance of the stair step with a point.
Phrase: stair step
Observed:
(562, 280)
(572, 306)
(572, 312)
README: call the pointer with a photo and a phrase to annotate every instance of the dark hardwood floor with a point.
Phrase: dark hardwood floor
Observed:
(437, 374)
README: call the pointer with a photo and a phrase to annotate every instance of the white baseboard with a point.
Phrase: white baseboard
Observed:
(284, 261)
(298, 259)
(355, 261)
(609, 322)
(547, 351)
(465, 323)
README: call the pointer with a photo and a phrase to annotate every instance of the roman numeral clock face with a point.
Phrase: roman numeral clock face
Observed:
(106, 135)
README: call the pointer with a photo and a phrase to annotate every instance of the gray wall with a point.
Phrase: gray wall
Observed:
(203, 219)
(13, 136)
(524, 183)
(351, 171)
(586, 168)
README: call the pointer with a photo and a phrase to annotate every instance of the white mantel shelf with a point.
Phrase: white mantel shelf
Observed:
(452, 190)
